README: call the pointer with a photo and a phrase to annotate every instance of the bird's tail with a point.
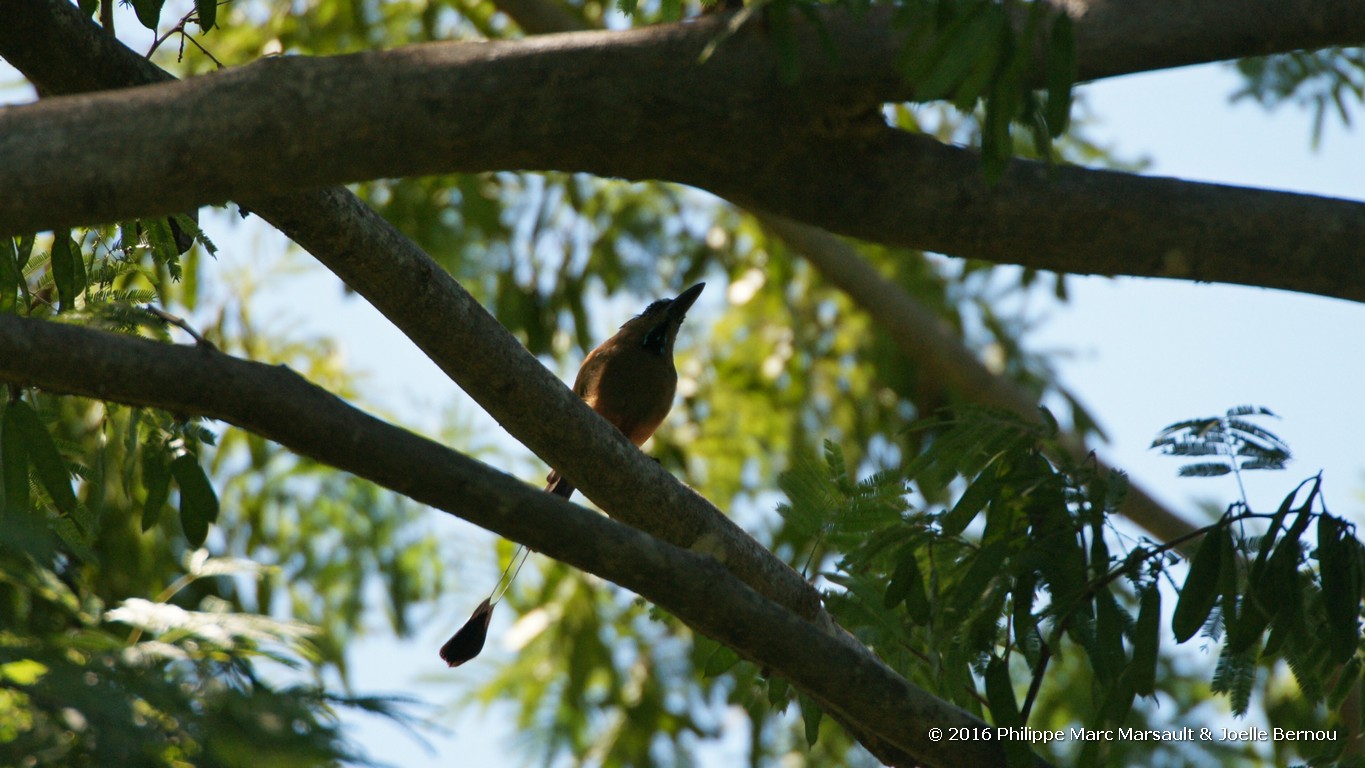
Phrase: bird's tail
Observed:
(466, 643)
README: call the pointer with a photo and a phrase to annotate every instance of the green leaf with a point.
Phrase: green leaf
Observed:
(43, 456)
(1107, 657)
(14, 464)
(10, 276)
(1116, 490)
(1200, 592)
(148, 12)
(1005, 710)
(907, 585)
(1268, 539)
(1286, 601)
(720, 661)
(1061, 73)
(1000, 693)
(1205, 469)
(1235, 675)
(63, 269)
(156, 479)
(25, 251)
(1146, 641)
(1340, 564)
(1347, 679)
(208, 13)
(198, 502)
(977, 495)
(778, 693)
(1005, 100)
(973, 37)
(810, 715)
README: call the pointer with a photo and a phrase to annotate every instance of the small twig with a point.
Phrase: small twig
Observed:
(180, 323)
(179, 29)
(202, 49)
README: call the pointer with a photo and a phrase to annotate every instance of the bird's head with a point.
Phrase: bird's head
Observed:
(657, 327)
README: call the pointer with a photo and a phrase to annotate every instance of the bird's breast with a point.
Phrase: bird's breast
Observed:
(632, 389)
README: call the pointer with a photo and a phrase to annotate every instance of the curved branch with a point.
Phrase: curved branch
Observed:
(638, 104)
(276, 403)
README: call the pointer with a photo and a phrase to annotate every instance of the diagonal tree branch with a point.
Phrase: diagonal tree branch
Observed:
(467, 343)
(276, 403)
(477, 352)
(923, 337)
(637, 104)
(920, 334)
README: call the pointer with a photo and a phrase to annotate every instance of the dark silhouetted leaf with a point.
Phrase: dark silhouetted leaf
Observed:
(810, 716)
(156, 480)
(47, 463)
(1061, 73)
(1146, 641)
(198, 502)
(1200, 592)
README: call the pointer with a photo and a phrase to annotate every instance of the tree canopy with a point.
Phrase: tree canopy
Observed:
(180, 519)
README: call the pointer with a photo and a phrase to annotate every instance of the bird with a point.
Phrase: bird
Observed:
(629, 380)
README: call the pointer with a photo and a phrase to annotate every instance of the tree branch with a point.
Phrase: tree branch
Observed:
(637, 104)
(276, 403)
(474, 350)
(466, 342)
(924, 338)
(921, 335)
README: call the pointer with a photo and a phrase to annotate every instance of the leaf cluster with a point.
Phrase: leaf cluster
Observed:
(1327, 80)
(1242, 444)
(970, 53)
(184, 689)
(976, 597)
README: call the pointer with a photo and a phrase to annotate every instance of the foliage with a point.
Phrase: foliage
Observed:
(84, 505)
(1240, 444)
(1018, 573)
(1001, 569)
(1328, 79)
(184, 688)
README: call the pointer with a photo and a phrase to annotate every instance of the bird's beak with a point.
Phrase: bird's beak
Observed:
(678, 309)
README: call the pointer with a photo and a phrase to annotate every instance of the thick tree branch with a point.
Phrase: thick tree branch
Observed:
(467, 343)
(638, 105)
(478, 353)
(276, 403)
(921, 335)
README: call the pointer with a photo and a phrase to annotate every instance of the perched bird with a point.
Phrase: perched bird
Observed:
(629, 379)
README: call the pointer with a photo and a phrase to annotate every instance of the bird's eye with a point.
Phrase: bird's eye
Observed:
(656, 340)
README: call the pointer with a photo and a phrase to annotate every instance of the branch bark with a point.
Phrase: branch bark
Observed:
(637, 104)
(276, 403)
